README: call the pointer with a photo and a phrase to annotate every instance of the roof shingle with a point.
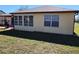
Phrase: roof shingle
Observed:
(45, 8)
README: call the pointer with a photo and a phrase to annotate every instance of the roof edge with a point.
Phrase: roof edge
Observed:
(71, 11)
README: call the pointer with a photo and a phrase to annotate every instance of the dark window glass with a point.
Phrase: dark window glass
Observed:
(15, 20)
(20, 20)
(47, 23)
(15, 17)
(55, 18)
(55, 23)
(25, 20)
(47, 17)
(30, 20)
(51, 20)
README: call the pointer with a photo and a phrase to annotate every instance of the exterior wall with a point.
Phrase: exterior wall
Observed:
(2, 20)
(65, 23)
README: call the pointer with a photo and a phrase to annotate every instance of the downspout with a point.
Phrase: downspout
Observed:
(74, 24)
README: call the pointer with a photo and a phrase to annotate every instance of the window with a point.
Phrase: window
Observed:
(28, 20)
(51, 20)
(20, 20)
(55, 20)
(55, 23)
(47, 17)
(25, 20)
(15, 20)
(47, 23)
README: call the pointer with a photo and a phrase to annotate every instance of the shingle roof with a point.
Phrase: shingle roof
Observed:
(45, 9)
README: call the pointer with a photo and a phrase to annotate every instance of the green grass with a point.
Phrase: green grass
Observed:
(19, 42)
(20, 45)
(77, 28)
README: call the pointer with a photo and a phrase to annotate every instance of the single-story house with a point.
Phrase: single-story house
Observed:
(49, 19)
(3, 17)
(6, 17)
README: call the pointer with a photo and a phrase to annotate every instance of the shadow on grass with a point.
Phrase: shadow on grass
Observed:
(76, 21)
(47, 37)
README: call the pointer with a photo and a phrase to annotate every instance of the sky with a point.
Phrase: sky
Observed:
(13, 8)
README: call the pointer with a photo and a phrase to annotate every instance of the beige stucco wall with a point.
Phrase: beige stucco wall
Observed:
(65, 23)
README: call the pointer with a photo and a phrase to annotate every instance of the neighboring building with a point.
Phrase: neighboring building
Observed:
(48, 19)
(77, 18)
(3, 17)
(2, 12)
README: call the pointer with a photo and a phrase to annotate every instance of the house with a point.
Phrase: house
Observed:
(77, 18)
(49, 19)
(3, 17)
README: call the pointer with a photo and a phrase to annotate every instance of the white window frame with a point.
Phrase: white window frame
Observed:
(17, 20)
(51, 20)
(28, 19)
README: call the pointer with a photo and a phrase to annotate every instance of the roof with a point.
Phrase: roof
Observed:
(43, 9)
(5, 15)
(2, 12)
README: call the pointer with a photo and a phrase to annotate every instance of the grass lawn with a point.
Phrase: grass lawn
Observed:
(77, 28)
(18, 42)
